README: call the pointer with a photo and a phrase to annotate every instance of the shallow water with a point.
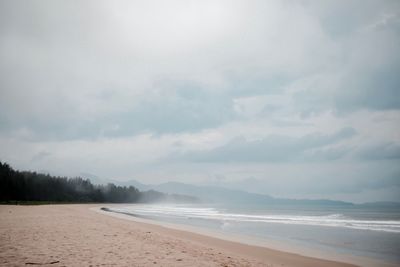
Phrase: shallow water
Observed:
(352, 231)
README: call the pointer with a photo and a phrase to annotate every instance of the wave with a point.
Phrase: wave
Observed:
(330, 220)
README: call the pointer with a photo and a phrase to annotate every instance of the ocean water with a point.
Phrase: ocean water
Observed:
(363, 232)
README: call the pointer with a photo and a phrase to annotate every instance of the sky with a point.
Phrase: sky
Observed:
(297, 99)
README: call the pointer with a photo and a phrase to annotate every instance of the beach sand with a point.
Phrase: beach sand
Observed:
(77, 235)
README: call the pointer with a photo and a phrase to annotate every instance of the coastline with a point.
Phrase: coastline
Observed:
(272, 246)
(82, 235)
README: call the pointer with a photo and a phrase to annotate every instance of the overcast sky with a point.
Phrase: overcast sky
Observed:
(287, 98)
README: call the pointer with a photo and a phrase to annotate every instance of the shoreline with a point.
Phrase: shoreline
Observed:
(273, 245)
(83, 235)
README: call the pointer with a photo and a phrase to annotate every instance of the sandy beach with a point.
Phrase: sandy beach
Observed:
(77, 235)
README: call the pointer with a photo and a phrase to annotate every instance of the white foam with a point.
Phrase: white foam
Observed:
(330, 220)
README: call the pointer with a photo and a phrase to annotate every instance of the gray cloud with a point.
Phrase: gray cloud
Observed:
(180, 107)
(99, 84)
(351, 19)
(167, 107)
(40, 156)
(386, 151)
(274, 149)
(72, 71)
(377, 91)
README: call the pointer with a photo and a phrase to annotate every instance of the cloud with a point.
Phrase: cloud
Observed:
(175, 106)
(166, 107)
(385, 151)
(112, 88)
(40, 156)
(94, 70)
(273, 149)
(366, 77)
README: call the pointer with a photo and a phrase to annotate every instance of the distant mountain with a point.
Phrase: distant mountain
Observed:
(216, 194)
(213, 194)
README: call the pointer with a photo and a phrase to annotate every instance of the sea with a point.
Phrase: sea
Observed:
(372, 233)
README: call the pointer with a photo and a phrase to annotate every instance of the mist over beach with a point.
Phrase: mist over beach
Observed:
(200, 133)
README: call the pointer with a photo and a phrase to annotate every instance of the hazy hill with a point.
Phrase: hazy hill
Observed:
(216, 194)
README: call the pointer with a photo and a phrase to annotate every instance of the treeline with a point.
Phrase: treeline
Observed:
(31, 186)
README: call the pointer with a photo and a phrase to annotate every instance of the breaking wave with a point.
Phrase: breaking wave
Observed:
(331, 220)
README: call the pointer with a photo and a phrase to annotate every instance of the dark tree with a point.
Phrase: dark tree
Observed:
(32, 186)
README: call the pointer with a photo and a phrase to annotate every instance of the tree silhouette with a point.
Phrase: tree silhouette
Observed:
(32, 186)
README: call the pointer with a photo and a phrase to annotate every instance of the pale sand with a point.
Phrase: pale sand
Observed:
(76, 235)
